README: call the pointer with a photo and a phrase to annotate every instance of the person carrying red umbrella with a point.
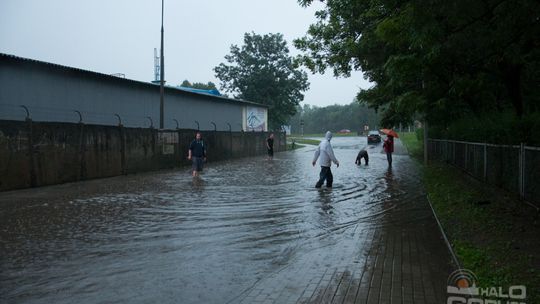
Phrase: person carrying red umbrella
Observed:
(388, 145)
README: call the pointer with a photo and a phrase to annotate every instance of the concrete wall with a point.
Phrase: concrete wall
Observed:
(54, 93)
(40, 153)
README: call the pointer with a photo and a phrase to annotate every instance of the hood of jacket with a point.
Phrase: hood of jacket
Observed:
(328, 135)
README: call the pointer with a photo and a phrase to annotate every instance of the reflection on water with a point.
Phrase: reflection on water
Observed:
(168, 237)
(197, 184)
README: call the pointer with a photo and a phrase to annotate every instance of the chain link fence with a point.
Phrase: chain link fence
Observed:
(515, 168)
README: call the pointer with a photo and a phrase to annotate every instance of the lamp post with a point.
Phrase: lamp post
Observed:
(162, 74)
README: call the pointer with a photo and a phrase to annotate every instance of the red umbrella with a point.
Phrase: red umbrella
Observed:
(390, 132)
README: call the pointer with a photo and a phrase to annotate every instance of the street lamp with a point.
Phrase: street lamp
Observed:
(162, 74)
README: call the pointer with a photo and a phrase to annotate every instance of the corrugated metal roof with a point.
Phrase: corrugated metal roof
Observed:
(202, 91)
(4, 56)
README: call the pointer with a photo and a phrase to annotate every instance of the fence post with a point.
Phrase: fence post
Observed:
(31, 151)
(82, 150)
(445, 153)
(426, 143)
(30, 147)
(179, 147)
(230, 141)
(485, 162)
(449, 152)
(151, 122)
(122, 149)
(80, 115)
(522, 170)
(453, 152)
(466, 156)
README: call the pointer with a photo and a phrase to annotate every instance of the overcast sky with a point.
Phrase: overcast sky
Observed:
(119, 36)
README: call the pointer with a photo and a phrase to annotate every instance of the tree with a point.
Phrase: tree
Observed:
(199, 85)
(443, 59)
(334, 118)
(263, 71)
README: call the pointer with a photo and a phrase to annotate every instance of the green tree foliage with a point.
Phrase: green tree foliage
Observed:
(334, 118)
(263, 71)
(444, 59)
(199, 85)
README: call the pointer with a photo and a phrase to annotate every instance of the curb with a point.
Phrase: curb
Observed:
(454, 257)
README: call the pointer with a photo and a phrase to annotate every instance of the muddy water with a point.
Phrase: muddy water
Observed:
(166, 237)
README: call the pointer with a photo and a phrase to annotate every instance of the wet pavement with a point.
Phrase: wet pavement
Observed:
(248, 231)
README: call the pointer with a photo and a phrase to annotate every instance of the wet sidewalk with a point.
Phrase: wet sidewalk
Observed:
(248, 231)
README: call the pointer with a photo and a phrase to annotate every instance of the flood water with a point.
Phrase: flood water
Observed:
(166, 237)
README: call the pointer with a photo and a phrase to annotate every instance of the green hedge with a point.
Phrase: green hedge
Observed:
(497, 128)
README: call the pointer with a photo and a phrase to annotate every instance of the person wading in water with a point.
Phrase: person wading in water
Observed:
(197, 154)
(388, 147)
(270, 146)
(326, 153)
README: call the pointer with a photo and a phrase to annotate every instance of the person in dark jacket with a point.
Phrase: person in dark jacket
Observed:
(270, 146)
(197, 154)
(362, 154)
(388, 147)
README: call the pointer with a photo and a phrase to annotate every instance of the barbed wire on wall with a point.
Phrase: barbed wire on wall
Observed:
(56, 114)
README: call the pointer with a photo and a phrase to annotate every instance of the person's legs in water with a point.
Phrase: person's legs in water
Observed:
(389, 158)
(194, 172)
(366, 158)
(200, 165)
(322, 177)
(197, 166)
(270, 154)
(329, 178)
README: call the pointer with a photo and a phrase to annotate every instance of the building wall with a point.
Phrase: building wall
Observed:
(54, 93)
(35, 154)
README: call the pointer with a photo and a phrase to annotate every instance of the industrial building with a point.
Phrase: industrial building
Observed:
(50, 92)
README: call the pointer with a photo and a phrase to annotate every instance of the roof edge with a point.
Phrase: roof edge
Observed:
(116, 78)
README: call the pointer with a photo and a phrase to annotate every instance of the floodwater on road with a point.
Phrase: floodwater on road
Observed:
(166, 237)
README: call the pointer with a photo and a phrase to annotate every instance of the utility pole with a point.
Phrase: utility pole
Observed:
(162, 75)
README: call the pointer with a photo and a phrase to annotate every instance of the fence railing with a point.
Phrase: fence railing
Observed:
(515, 168)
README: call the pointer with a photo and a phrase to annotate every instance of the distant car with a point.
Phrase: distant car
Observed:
(374, 137)
(344, 131)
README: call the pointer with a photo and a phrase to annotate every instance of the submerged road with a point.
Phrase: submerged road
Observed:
(248, 231)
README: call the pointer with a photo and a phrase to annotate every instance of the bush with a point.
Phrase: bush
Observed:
(420, 134)
(496, 128)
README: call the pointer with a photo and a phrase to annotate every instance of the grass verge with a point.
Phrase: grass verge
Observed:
(492, 233)
(303, 141)
(290, 146)
(322, 134)
(413, 145)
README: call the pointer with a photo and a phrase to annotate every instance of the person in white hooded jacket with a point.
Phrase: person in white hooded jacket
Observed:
(326, 154)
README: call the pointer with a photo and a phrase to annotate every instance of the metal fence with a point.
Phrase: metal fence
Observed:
(515, 168)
